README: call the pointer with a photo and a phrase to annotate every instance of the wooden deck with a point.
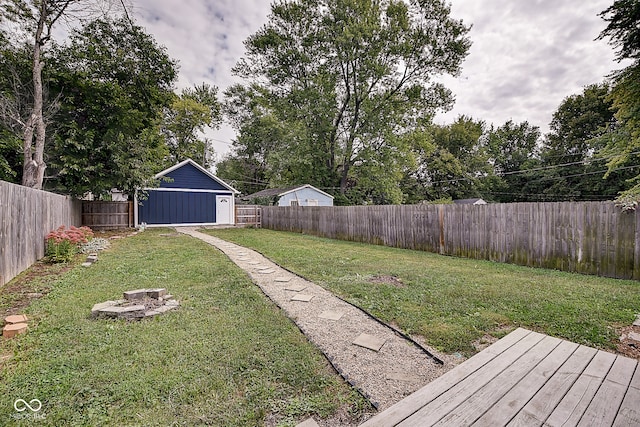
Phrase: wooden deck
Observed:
(526, 379)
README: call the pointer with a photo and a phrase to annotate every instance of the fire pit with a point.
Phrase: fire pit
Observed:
(136, 305)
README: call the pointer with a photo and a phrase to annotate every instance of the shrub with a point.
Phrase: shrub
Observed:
(62, 244)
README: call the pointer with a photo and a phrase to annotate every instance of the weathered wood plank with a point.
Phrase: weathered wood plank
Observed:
(517, 397)
(442, 405)
(604, 407)
(411, 404)
(574, 403)
(584, 237)
(629, 413)
(26, 216)
(481, 401)
(546, 399)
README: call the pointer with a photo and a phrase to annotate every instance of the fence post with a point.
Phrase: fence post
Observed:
(441, 223)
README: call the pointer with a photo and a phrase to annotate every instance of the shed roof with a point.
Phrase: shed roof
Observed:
(279, 192)
(476, 201)
(199, 168)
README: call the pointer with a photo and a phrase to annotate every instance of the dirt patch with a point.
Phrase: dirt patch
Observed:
(483, 342)
(34, 282)
(388, 280)
(629, 344)
(31, 284)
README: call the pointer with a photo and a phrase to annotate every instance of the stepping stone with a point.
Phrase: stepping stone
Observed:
(331, 315)
(302, 297)
(633, 336)
(637, 322)
(87, 264)
(101, 306)
(296, 288)
(131, 312)
(269, 271)
(156, 293)
(283, 279)
(14, 329)
(15, 318)
(308, 423)
(135, 295)
(369, 341)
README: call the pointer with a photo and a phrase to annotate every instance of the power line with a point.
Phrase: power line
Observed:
(545, 168)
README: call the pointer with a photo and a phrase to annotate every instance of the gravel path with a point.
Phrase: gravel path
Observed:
(386, 376)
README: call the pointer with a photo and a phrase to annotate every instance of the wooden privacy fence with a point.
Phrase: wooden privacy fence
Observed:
(107, 215)
(248, 215)
(26, 216)
(583, 237)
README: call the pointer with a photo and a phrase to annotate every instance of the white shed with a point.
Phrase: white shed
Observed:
(299, 195)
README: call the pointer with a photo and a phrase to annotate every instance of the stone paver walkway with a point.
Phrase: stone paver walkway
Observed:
(380, 363)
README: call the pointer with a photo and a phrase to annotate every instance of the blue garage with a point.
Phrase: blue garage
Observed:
(188, 195)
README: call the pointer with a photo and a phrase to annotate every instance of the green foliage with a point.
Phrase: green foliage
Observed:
(451, 162)
(345, 81)
(10, 156)
(184, 121)
(623, 27)
(60, 251)
(115, 81)
(16, 90)
(62, 244)
(572, 150)
(513, 148)
(623, 31)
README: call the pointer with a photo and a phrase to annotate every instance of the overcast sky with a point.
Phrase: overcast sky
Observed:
(526, 57)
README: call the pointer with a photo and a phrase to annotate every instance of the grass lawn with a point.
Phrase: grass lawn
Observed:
(226, 357)
(453, 302)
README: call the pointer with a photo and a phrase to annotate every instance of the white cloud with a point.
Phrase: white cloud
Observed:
(527, 56)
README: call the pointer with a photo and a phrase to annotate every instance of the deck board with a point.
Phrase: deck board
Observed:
(526, 379)
(629, 413)
(507, 408)
(537, 410)
(407, 406)
(429, 414)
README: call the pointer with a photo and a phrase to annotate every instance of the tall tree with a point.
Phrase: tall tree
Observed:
(451, 162)
(513, 149)
(571, 154)
(36, 20)
(190, 113)
(115, 82)
(351, 77)
(15, 97)
(623, 31)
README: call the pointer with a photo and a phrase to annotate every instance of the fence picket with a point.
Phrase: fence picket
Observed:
(584, 237)
(26, 216)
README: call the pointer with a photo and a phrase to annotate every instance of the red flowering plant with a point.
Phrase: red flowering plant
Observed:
(62, 244)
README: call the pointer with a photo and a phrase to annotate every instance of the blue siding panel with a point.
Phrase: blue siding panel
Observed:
(178, 207)
(188, 176)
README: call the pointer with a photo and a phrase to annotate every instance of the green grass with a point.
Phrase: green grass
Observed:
(453, 301)
(227, 356)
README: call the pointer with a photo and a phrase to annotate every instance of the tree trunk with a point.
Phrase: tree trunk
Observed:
(34, 165)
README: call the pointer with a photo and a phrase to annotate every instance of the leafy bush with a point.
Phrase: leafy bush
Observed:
(62, 244)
